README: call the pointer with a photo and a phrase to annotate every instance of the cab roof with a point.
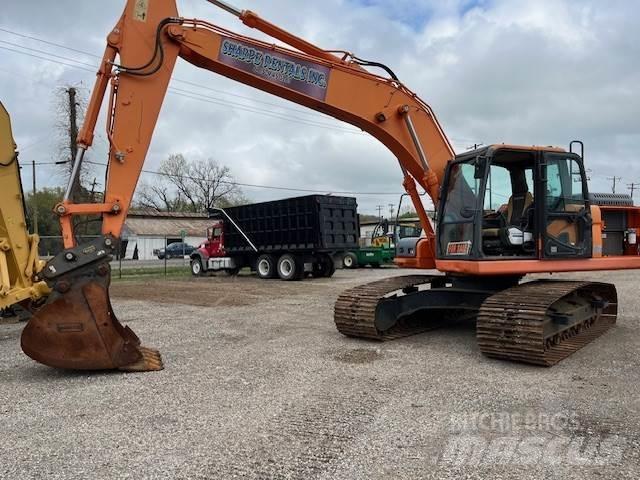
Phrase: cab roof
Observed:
(491, 150)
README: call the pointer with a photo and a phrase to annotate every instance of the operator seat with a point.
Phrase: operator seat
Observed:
(516, 210)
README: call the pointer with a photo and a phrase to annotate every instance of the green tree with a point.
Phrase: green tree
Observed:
(409, 214)
(49, 223)
(44, 201)
(365, 217)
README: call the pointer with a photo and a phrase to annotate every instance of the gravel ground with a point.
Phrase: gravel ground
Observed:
(258, 384)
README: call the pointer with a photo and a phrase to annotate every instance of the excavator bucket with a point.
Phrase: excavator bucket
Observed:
(77, 328)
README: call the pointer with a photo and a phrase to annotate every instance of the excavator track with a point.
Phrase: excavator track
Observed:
(543, 322)
(355, 309)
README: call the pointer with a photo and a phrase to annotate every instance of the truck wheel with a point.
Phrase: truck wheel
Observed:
(331, 265)
(196, 267)
(290, 268)
(319, 269)
(350, 260)
(266, 266)
(326, 267)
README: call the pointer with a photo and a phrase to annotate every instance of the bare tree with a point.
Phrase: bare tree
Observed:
(192, 186)
(212, 183)
(159, 196)
(69, 105)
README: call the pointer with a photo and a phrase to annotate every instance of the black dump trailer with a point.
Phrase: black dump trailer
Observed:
(289, 238)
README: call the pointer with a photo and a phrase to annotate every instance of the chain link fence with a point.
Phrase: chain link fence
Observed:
(136, 257)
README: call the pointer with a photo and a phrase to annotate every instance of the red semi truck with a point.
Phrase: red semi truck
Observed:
(289, 238)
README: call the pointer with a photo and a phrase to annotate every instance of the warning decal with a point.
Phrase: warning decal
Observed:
(140, 10)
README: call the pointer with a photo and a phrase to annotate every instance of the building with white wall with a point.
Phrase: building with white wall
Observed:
(147, 230)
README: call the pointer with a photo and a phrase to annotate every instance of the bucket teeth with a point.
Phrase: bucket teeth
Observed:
(151, 361)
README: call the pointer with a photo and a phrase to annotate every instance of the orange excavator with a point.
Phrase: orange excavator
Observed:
(503, 211)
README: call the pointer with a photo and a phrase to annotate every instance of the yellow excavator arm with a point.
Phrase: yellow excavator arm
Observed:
(19, 261)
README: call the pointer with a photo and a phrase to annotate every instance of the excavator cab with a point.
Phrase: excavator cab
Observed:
(504, 202)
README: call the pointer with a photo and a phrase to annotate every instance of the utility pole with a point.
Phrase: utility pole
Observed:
(391, 208)
(35, 201)
(92, 200)
(632, 187)
(614, 179)
(380, 207)
(474, 146)
(589, 172)
(93, 190)
(73, 135)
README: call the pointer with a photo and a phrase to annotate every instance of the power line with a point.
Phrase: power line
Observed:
(47, 59)
(204, 98)
(250, 185)
(186, 82)
(37, 39)
(47, 53)
(239, 184)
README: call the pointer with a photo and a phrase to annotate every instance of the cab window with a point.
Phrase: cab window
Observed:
(564, 185)
(458, 215)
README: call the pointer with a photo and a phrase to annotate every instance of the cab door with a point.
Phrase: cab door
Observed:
(216, 240)
(565, 218)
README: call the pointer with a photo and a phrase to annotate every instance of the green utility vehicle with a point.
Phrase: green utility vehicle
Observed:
(382, 249)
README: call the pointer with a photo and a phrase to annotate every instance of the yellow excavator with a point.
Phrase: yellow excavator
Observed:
(20, 265)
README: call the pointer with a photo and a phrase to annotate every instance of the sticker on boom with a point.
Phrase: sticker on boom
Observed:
(459, 248)
(140, 10)
(276, 67)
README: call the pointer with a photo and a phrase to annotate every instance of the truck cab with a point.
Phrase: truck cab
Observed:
(214, 246)
(211, 255)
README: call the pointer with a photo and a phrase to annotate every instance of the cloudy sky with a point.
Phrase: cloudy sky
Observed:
(530, 72)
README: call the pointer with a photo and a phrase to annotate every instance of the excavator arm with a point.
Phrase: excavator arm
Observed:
(135, 72)
(20, 264)
(147, 41)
